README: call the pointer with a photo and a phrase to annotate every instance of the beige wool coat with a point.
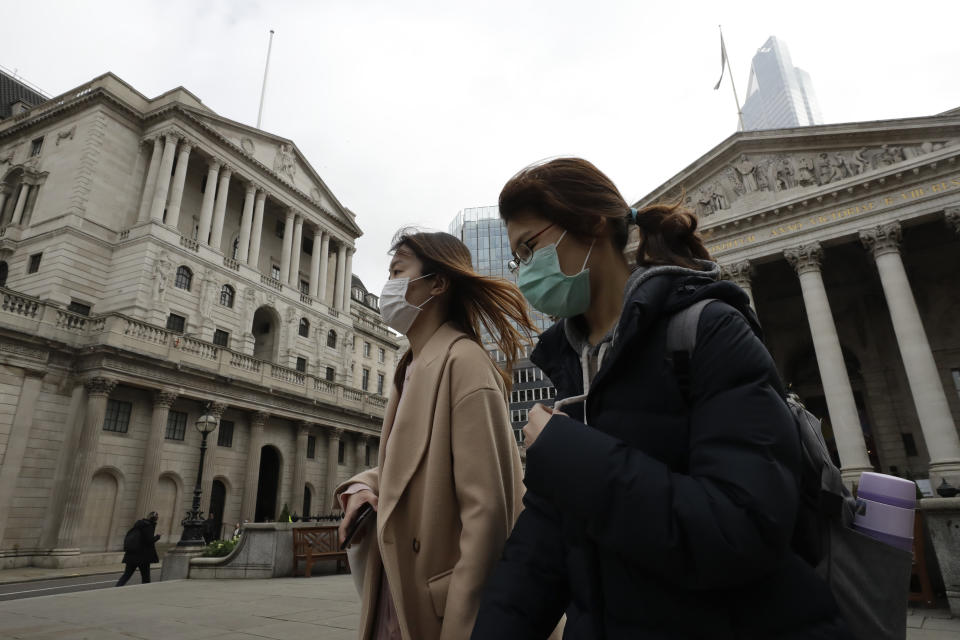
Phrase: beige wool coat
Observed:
(449, 493)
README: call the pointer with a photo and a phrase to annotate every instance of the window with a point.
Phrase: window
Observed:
(203, 184)
(311, 447)
(304, 330)
(118, 416)
(379, 384)
(225, 433)
(340, 452)
(184, 278)
(366, 456)
(227, 295)
(365, 379)
(221, 338)
(366, 349)
(330, 374)
(909, 444)
(176, 323)
(955, 372)
(4, 271)
(305, 287)
(34, 265)
(381, 354)
(307, 246)
(79, 308)
(302, 365)
(280, 228)
(176, 425)
(275, 272)
(36, 147)
(332, 339)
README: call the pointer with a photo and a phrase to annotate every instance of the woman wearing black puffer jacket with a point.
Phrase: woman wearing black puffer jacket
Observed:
(650, 512)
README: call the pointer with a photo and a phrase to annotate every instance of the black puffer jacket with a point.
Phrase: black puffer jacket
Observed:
(664, 518)
(147, 553)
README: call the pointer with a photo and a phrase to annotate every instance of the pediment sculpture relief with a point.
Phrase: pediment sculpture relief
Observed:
(772, 173)
(285, 163)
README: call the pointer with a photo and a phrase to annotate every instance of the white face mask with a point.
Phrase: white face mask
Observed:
(394, 308)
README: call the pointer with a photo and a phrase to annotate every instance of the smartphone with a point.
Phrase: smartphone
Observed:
(363, 514)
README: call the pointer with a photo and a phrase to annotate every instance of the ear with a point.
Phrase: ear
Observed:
(441, 284)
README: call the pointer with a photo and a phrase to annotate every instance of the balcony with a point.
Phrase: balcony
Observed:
(46, 320)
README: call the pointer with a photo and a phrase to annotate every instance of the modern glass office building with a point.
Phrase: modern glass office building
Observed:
(779, 95)
(481, 229)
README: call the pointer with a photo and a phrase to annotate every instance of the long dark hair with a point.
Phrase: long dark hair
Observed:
(575, 195)
(475, 301)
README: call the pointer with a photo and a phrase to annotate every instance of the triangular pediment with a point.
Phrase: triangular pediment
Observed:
(757, 170)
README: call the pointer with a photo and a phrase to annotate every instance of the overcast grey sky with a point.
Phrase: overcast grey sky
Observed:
(411, 111)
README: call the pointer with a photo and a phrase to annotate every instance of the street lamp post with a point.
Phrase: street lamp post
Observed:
(193, 524)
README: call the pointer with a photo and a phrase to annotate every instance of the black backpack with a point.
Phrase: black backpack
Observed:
(132, 541)
(870, 580)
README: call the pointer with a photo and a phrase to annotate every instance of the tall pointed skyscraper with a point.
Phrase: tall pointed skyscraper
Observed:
(779, 95)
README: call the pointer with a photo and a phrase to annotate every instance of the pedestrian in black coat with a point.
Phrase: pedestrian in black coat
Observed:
(143, 551)
(648, 514)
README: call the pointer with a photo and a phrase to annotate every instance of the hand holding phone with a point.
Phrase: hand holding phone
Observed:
(361, 516)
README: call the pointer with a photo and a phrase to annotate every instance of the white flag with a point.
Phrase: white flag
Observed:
(723, 61)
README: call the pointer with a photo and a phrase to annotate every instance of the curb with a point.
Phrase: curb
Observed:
(99, 571)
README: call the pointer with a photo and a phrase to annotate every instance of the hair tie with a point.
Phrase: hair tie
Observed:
(633, 215)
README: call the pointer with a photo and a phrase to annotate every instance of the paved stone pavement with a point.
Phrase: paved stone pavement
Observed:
(320, 608)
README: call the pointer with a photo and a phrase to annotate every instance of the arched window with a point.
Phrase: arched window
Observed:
(305, 328)
(4, 270)
(227, 294)
(184, 278)
(332, 339)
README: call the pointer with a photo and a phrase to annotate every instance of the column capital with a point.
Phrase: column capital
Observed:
(882, 239)
(737, 271)
(214, 163)
(805, 258)
(165, 398)
(261, 192)
(291, 213)
(251, 188)
(304, 427)
(259, 418)
(217, 409)
(186, 145)
(952, 216)
(335, 432)
(226, 170)
(99, 386)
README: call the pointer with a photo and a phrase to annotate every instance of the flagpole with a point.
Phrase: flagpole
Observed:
(263, 91)
(732, 84)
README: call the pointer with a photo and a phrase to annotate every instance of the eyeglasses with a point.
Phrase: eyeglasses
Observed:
(524, 252)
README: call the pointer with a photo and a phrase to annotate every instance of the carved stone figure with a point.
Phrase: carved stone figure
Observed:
(890, 155)
(747, 171)
(208, 296)
(162, 270)
(785, 175)
(718, 198)
(284, 163)
(824, 169)
(860, 163)
(704, 203)
(247, 145)
(838, 168)
(761, 173)
(805, 175)
(66, 134)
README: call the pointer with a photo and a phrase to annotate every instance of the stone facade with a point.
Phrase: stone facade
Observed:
(157, 259)
(846, 239)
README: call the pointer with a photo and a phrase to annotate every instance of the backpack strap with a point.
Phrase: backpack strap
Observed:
(682, 340)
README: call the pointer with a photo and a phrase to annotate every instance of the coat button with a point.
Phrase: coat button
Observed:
(416, 546)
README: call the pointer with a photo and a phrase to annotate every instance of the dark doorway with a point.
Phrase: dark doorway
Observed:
(307, 498)
(268, 485)
(218, 498)
(266, 324)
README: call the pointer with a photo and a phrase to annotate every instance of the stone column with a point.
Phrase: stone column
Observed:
(176, 189)
(220, 207)
(206, 207)
(296, 250)
(17, 442)
(333, 447)
(361, 451)
(340, 282)
(159, 201)
(926, 386)
(210, 460)
(833, 370)
(324, 263)
(257, 230)
(21, 203)
(151, 184)
(246, 224)
(98, 391)
(150, 473)
(287, 245)
(348, 281)
(300, 468)
(952, 216)
(248, 507)
(315, 262)
(3, 199)
(741, 274)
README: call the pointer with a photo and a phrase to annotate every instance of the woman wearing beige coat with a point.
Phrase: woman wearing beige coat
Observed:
(448, 485)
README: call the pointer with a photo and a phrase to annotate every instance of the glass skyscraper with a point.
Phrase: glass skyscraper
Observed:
(779, 95)
(482, 230)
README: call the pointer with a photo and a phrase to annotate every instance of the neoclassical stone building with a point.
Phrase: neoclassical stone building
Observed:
(156, 258)
(846, 238)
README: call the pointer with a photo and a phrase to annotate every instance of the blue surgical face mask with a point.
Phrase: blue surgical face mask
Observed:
(549, 289)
